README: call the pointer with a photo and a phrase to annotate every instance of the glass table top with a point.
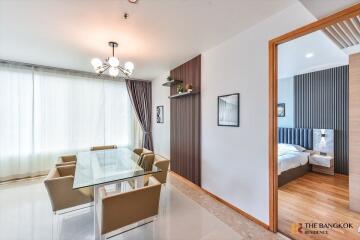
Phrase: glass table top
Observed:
(100, 167)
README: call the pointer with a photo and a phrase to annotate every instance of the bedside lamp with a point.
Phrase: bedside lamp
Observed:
(324, 141)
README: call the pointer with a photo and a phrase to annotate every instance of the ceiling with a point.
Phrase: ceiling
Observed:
(323, 8)
(326, 51)
(157, 36)
(293, 60)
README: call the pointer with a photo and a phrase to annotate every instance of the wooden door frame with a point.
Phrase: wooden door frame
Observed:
(273, 92)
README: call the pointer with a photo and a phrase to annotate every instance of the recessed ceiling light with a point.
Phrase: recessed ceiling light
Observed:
(132, 1)
(309, 55)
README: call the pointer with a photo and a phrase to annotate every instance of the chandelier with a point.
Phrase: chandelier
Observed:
(112, 64)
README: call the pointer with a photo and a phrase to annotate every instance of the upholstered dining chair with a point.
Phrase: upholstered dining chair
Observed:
(163, 164)
(141, 152)
(119, 209)
(147, 161)
(66, 160)
(98, 148)
(59, 185)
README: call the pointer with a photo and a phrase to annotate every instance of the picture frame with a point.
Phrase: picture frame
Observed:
(229, 110)
(160, 114)
(281, 110)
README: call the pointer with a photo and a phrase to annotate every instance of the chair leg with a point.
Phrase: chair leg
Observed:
(55, 226)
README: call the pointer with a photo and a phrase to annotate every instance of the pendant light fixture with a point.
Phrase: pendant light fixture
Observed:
(112, 64)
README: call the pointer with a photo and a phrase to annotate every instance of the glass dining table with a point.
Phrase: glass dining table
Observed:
(110, 169)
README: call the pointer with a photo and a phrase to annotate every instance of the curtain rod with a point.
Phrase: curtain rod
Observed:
(36, 67)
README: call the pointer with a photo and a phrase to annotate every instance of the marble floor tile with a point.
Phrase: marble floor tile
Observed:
(186, 213)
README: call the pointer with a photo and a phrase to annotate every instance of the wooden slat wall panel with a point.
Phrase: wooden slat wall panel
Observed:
(185, 123)
(345, 33)
(322, 101)
(354, 127)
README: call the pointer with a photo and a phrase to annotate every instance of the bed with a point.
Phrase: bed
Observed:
(294, 149)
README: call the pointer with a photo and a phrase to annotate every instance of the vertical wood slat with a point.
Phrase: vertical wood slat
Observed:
(185, 123)
(354, 133)
(321, 101)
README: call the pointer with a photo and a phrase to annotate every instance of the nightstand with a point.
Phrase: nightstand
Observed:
(322, 164)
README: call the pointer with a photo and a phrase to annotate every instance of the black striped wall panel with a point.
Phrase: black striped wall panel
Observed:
(322, 101)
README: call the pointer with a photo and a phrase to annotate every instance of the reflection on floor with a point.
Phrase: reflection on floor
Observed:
(185, 213)
(317, 198)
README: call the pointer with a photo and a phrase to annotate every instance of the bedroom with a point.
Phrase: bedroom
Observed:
(313, 132)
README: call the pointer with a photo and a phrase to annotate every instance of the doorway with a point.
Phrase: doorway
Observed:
(275, 109)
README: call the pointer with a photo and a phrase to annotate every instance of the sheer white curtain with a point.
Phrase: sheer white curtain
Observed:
(46, 114)
(16, 95)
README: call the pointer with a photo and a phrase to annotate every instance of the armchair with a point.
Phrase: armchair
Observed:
(120, 209)
(59, 185)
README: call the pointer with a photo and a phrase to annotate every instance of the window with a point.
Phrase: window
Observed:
(45, 115)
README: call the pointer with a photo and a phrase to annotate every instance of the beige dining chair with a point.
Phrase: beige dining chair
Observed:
(163, 164)
(59, 185)
(66, 160)
(139, 151)
(98, 148)
(147, 161)
(119, 209)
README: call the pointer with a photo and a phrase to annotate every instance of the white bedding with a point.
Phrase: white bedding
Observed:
(288, 159)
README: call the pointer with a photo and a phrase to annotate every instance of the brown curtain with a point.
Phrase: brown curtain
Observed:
(140, 96)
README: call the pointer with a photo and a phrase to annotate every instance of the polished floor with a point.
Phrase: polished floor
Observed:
(317, 198)
(185, 213)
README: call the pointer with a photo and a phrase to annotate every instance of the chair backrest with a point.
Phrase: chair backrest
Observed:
(147, 161)
(141, 152)
(123, 208)
(98, 148)
(68, 158)
(163, 164)
(59, 185)
(65, 160)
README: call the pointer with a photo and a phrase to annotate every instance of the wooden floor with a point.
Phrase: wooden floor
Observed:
(317, 198)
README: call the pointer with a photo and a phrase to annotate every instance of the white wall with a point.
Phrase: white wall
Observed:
(161, 131)
(235, 160)
(286, 95)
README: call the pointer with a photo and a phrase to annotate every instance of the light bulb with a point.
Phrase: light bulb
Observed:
(113, 61)
(113, 71)
(129, 66)
(95, 62)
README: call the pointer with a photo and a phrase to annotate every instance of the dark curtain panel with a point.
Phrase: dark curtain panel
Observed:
(140, 96)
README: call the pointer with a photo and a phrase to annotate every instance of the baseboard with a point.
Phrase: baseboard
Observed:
(238, 210)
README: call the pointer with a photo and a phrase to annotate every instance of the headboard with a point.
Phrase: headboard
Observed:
(298, 136)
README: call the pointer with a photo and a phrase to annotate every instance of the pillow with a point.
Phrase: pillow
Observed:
(290, 148)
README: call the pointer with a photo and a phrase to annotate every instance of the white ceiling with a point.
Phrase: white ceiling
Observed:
(327, 54)
(292, 59)
(323, 8)
(159, 34)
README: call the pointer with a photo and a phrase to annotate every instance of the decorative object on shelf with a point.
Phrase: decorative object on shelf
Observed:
(189, 88)
(324, 141)
(169, 78)
(183, 94)
(160, 114)
(180, 88)
(228, 110)
(171, 82)
(112, 64)
(281, 109)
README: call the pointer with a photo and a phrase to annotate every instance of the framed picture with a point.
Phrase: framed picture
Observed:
(281, 109)
(160, 114)
(228, 110)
